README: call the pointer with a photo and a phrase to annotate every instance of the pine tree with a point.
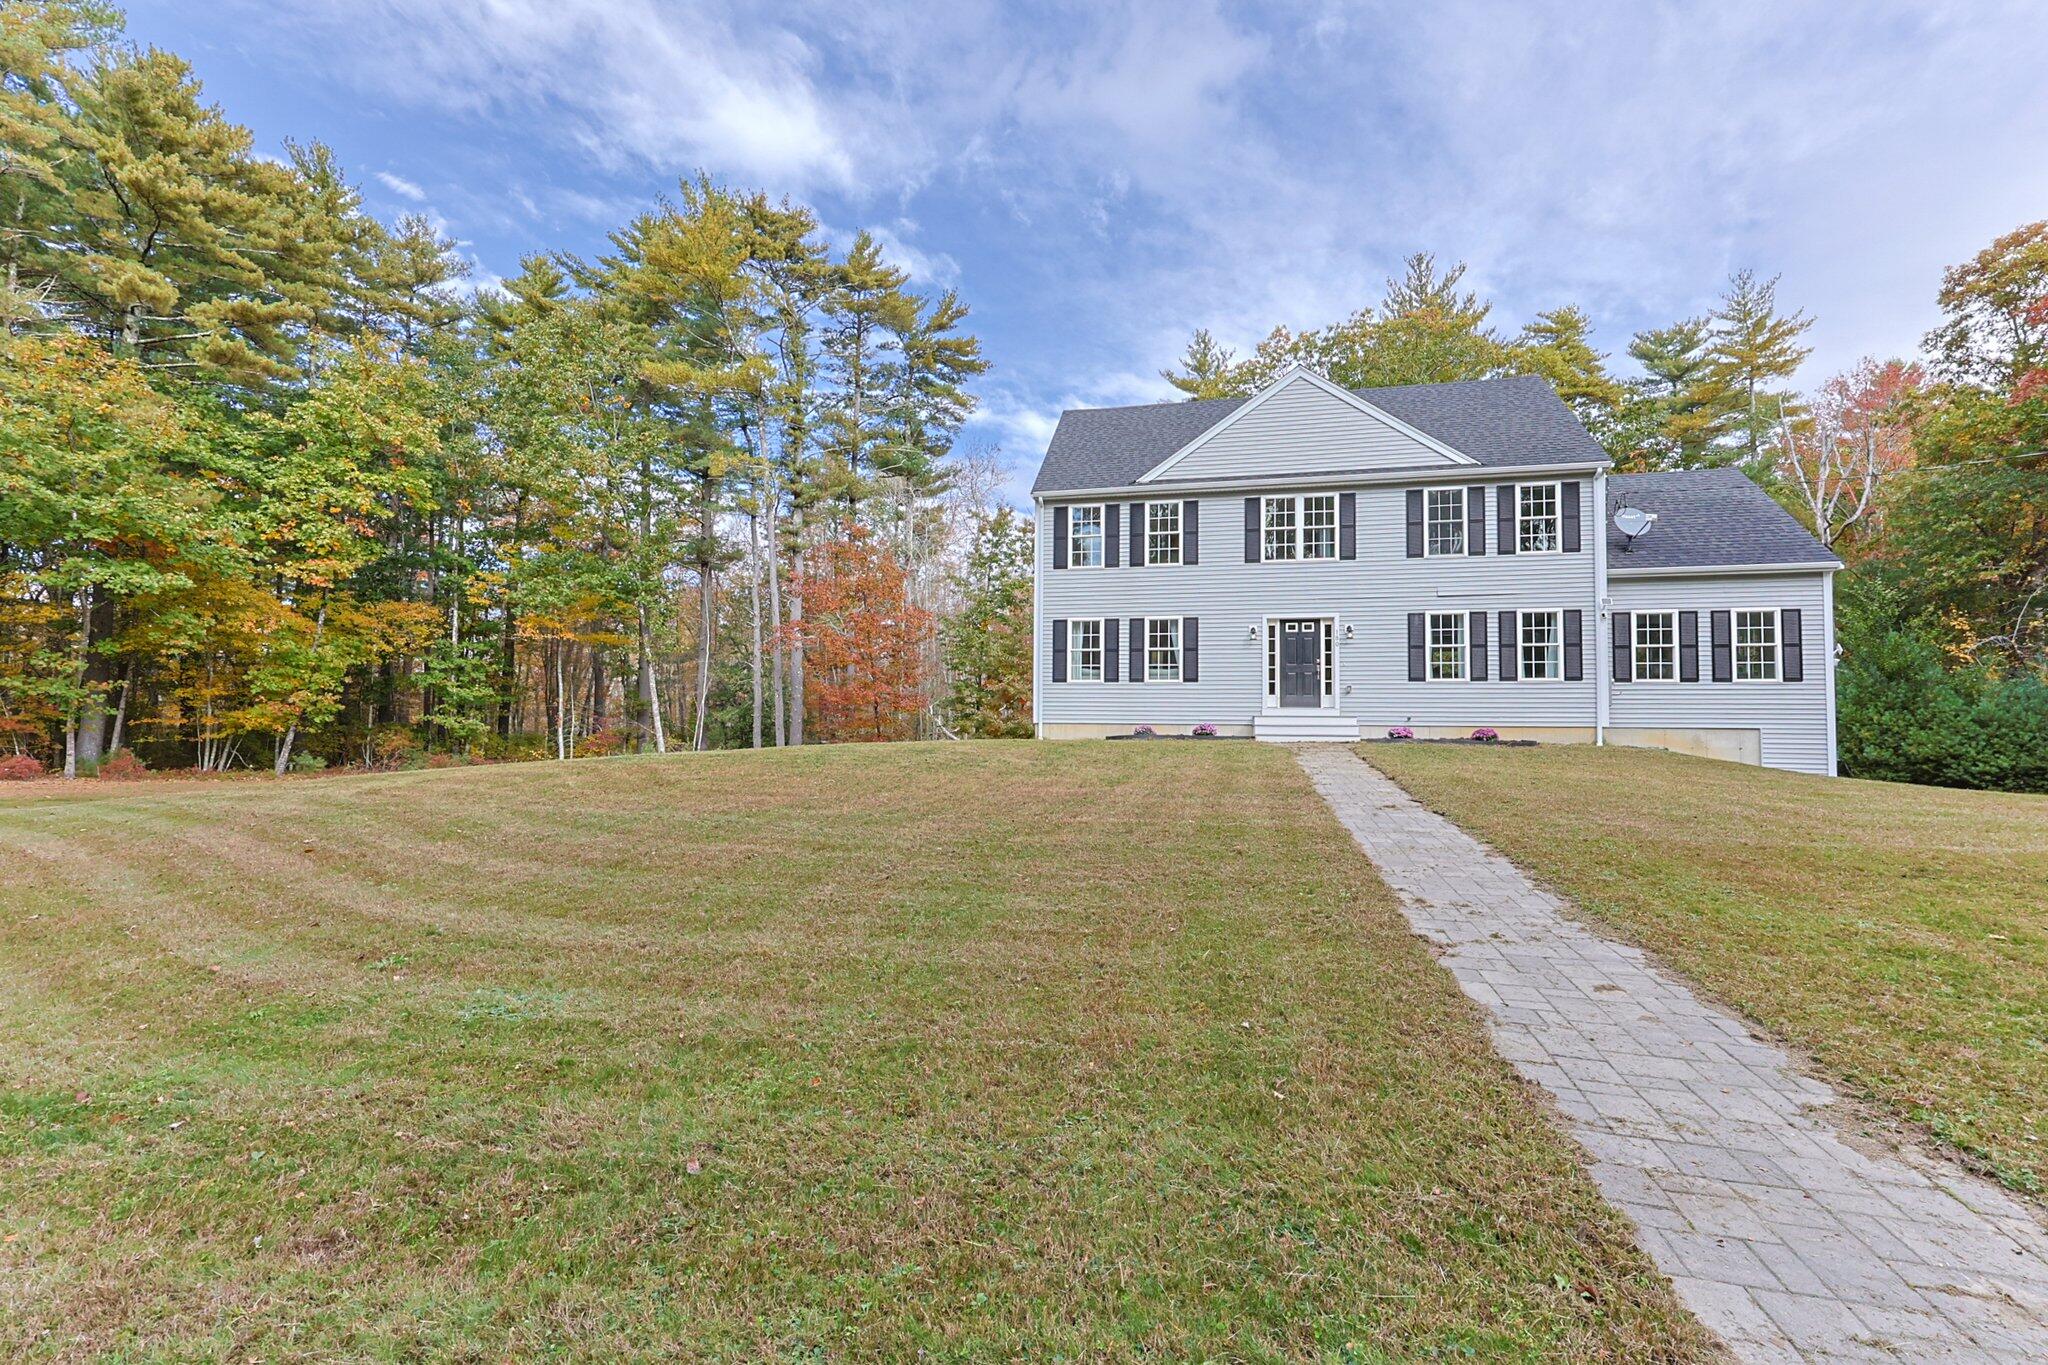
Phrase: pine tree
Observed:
(1752, 347)
(1207, 369)
(1679, 405)
(1558, 346)
(988, 639)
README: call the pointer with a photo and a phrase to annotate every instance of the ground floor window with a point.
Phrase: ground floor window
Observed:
(1162, 649)
(1756, 646)
(1542, 644)
(1656, 646)
(1447, 648)
(1084, 651)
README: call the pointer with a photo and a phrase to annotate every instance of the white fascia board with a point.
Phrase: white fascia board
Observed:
(1356, 478)
(1725, 570)
(1302, 373)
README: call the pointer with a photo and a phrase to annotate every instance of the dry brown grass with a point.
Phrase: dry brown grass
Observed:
(1094, 1051)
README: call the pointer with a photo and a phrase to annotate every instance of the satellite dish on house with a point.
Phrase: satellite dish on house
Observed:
(1633, 521)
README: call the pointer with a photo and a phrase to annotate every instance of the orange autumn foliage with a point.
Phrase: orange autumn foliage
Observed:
(866, 645)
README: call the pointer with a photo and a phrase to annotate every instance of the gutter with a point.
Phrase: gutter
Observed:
(1343, 478)
(1723, 570)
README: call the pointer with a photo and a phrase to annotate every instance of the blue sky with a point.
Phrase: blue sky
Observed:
(1099, 179)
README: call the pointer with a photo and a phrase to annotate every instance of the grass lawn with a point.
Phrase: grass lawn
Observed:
(1067, 1051)
(1897, 933)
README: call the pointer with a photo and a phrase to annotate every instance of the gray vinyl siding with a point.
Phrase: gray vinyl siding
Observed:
(1371, 594)
(1304, 430)
(1790, 718)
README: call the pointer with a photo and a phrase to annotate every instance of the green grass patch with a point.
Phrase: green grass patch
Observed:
(1897, 933)
(971, 1052)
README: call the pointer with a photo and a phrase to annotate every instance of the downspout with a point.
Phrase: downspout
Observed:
(1603, 623)
(1827, 589)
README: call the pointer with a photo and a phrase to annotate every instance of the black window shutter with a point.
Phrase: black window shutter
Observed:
(1509, 667)
(1137, 649)
(1415, 523)
(1059, 537)
(1190, 649)
(1112, 554)
(1475, 519)
(1574, 646)
(1191, 532)
(1724, 649)
(1624, 648)
(1251, 530)
(1059, 650)
(1568, 501)
(1418, 646)
(1688, 646)
(1504, 521)
(1791, 646)
(1110, 659)
(1347, 526)
(1138, 537)
(1475, 651)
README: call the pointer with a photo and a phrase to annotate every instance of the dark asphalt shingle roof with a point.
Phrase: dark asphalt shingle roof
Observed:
(1705, 518)
(1501, 423)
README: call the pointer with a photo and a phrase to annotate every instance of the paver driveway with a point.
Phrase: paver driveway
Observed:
(1780, 1233)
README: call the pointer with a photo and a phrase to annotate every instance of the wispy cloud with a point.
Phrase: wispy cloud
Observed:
(400, 186)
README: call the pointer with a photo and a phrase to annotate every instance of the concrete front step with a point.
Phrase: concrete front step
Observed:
(1304, 727)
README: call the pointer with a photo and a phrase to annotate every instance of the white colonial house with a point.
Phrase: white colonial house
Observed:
(1317, 563)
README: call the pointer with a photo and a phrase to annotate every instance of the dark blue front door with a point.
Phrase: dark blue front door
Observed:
(1301, 663)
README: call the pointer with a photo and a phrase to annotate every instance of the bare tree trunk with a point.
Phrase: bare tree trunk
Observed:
(561, 704)
(120, 738)
(706, 615)
(754, 593)
(650, 691)
(796, 643)
(291, 731)
(775, 604)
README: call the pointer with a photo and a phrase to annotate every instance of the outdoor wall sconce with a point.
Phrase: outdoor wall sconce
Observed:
(1350, 634)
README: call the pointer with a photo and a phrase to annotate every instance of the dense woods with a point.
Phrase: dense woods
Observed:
(1928, 475)
(278, 488)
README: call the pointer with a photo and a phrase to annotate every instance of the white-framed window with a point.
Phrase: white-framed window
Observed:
(1444, 521)
(1301, 528)
(1538, 528)
(1448, 659)
(1084, 651)
(1540, 645)
(1162, 649)
(1656, 646)
(1084, 537)
(1162, 533)
(1756, 646)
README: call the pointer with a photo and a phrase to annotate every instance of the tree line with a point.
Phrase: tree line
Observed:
(1927, 474)
(278, 487)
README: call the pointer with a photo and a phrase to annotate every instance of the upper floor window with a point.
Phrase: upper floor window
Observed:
(1445, 521)
(1301, 528)
(1542, 644)
(1084, 651)
(1084, 537)
(1537, 526)
(1656, 646)
(1447, 657)
(1756, 646)
(1162, 649)
(1162, 533)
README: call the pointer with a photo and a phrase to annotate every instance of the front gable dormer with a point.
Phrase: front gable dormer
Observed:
(1302, 423)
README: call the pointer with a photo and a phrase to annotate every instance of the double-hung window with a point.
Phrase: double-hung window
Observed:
(1542, 645)
(1162, 649)
(1084, 651)
(1537, 524)
(1756, 646)
(1447, 656)
(1084, 537)
(1445, 521)
(1162, 533)
(1656, 646)
(1301, 528)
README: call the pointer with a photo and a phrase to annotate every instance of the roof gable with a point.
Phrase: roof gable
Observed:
(1301, 423)
(1497, 423)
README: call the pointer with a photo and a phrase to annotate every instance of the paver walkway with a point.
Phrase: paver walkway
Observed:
(1780, 1234)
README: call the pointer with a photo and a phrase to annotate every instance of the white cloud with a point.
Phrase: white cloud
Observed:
(400, 186)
